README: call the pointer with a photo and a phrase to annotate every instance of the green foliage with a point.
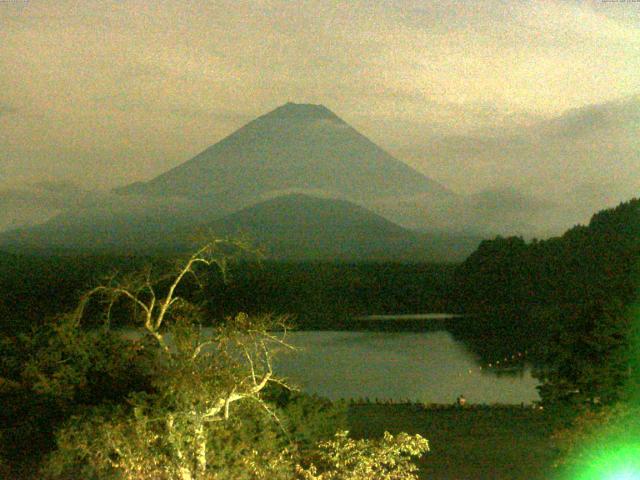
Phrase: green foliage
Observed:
(307, 419)
(343, 458)
(149, 439)
(82, 365)
(177, 401)
(171, 431)
(568, 300)
(47, 375)
(586, 358)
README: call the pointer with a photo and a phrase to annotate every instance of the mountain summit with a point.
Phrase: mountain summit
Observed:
(296, 179)
(303, 111)
(294, 148)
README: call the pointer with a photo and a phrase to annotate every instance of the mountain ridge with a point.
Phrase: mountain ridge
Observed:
(303, 227)
(293, 227)
(301, 146)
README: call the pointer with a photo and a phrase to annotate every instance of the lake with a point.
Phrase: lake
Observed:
(430, 367)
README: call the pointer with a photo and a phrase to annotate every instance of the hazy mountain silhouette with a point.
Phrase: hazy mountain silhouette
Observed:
(301, 148)
(296, 147)
(291, 227)
(581, 161)
(107, 223)
(301, 227)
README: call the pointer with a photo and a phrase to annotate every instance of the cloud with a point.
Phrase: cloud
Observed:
(6, 109)
(584, 120)
(124, 102)
(35, 203)
(125, 90)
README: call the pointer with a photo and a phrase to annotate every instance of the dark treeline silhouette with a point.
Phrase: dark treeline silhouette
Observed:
(322, 295)
(37, 287)
(587, 262)
(567, 299)
(318, 295)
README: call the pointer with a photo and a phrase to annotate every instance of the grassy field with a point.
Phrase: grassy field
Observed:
(474, 443)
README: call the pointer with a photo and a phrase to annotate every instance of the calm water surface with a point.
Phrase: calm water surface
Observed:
(428, 366)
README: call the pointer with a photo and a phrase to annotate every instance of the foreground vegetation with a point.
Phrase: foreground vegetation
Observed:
(187, 409)
(476, 442)
(172, 403)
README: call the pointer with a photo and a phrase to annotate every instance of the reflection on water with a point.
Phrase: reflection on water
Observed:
(428, 366)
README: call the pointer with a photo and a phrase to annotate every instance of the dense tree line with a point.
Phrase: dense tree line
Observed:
(330, 295)
(571, 296)
(317, 295)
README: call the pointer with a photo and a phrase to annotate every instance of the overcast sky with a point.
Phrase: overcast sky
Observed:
(103, 93)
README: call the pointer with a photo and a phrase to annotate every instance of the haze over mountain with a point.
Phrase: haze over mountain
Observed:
(288, 227)
(27, 205)
(301, 227)
(108, 223)
(584, 160)
(296, 147)
(302, 148)
(503, 211)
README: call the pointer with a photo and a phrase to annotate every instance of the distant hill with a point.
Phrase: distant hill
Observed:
(290, 227)
(296, 147)
(588, 263)
(108, 225)
(583, 160)
(301, 227)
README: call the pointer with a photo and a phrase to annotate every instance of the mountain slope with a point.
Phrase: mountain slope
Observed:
(296, 147)
(300, 227)
(290, 227)
(108, 224)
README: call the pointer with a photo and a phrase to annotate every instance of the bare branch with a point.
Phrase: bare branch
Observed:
(272, 414)
(199, 348)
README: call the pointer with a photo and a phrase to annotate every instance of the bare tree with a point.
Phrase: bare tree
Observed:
(206, 391)
(199, 374)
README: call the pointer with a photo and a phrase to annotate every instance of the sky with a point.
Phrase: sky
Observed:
(104, 93)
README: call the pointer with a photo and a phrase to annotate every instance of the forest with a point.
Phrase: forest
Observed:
(571, 298)
(568, 300)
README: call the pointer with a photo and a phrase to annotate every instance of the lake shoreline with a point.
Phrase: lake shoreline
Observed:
(428, 367)
(410, 316)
